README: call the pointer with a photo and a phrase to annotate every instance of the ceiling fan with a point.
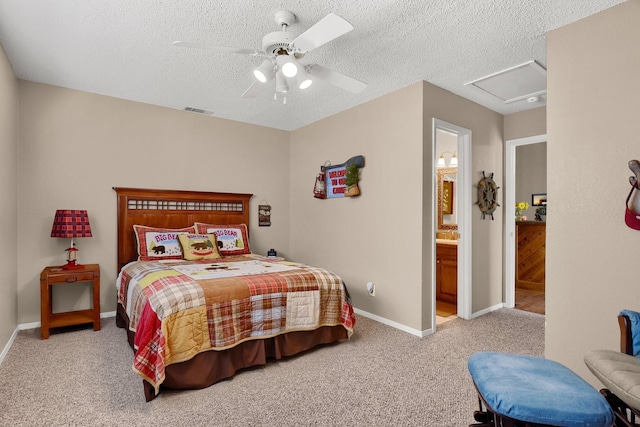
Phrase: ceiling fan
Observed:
(282, 52)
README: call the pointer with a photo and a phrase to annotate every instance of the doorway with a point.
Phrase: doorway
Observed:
(452, 213)
(510, 250)
(446, 225)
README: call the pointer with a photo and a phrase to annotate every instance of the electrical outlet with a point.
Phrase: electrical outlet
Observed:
(371, 288)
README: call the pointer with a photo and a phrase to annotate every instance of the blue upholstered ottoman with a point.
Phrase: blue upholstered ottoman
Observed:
(526, 390)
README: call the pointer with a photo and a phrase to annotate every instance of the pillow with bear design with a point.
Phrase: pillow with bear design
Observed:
(199, 246)
(233, 239)
(156, 244)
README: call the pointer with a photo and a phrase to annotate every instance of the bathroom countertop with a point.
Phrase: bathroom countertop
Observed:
(447, 242)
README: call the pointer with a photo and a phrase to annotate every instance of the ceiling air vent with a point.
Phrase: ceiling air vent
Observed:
(528, 80)
(198, 110)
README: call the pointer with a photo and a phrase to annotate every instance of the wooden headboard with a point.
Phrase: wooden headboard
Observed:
(173, 209)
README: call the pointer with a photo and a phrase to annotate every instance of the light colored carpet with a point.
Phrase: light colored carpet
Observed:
(381, 377)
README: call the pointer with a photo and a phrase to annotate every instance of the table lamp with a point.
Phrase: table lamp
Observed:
(71, 223)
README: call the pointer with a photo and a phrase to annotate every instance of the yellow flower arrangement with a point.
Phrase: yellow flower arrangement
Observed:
(521, 206)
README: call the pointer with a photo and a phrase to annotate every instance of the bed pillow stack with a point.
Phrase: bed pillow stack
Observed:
(199, 242)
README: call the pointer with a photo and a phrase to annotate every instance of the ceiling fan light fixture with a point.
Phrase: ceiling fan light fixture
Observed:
(304, 84)
(281, 51)
(264, 72)
(281, 83)
(289, 69)
(288, 65)
(304, 80)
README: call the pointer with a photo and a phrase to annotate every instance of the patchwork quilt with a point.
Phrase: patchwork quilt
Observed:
(179, 309)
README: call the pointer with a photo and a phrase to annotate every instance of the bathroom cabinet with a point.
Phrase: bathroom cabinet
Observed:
(447, 273)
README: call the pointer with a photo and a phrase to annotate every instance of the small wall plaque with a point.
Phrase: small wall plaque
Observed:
(336, 181)
(264, 215)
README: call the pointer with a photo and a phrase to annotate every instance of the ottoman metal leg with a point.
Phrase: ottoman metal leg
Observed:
(625, 415)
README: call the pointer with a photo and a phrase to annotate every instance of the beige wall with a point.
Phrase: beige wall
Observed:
(8, 195)
(531, 174)
(530, 159)
(486, 151)
(531, 122)
(386, 235)
(377, 236)
(75, 146)
(593, 130)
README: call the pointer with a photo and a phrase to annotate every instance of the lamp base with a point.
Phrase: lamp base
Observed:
(72, 256)
(71, 265)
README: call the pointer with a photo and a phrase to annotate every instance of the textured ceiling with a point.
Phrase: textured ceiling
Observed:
(122, 48)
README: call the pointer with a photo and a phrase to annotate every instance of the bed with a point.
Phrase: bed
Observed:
(195, 322)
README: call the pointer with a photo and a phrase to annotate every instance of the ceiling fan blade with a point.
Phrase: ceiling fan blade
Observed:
(254, 90)
(337, 79)
(219, 48)
(325, 30)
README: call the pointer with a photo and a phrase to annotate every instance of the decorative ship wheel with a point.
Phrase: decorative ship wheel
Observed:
(487, 195)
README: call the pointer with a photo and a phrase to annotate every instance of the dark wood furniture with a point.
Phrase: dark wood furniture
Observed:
(530, 255)
(177, 209)
(625, 414)
(51, 276)
(447, 273)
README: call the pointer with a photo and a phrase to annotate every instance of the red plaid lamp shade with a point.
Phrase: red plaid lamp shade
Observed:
(71, 223)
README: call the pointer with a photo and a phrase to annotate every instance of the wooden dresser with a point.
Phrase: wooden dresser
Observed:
(530, 254)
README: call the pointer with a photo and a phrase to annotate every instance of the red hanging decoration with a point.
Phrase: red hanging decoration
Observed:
(320, 187)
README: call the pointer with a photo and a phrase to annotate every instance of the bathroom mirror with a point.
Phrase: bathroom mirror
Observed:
(447, 208)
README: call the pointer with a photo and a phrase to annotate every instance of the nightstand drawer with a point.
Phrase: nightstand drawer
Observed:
(70, 278)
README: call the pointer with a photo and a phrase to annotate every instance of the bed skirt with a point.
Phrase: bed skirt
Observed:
(209, 367)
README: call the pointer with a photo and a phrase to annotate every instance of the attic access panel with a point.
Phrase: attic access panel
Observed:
(515, 83)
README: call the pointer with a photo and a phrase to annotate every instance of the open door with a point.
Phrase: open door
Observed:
(509, 215)
(463, 199)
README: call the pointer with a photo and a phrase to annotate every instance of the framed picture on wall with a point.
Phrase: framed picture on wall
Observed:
(539, 199)
(264, 215)
(447, 197)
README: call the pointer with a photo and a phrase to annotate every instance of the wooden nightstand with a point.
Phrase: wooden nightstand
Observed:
(55, 275)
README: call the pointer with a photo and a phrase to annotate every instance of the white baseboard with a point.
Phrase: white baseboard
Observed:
(6, 348)
(33, 325)
(416, 332)
(487, 310)
(25, 326)
(393, 324)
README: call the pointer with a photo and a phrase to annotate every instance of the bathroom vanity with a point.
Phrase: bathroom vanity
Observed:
(447, 270)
